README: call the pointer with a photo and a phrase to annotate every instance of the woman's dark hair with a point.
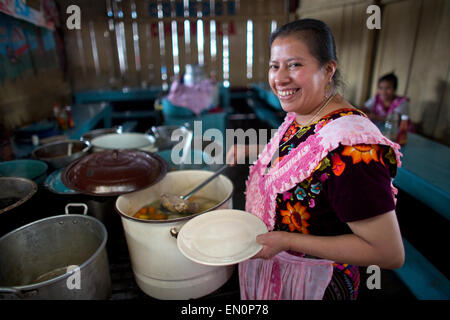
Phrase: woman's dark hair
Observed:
(317, 36)
(391, 77)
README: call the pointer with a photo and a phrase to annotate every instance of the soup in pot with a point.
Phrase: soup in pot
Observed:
(152, 211)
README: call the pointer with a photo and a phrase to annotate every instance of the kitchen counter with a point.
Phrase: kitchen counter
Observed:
(85, 116)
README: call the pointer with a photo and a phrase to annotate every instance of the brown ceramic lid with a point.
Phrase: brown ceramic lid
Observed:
(114, 172)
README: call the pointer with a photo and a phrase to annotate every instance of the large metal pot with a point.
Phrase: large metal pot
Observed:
(61, 153)
(15, 207)
(102, 176)
(60, 257)
(26, 168)
(99, 207)
(61, 195)
(160, 269)
(88, 136)
(163, 136)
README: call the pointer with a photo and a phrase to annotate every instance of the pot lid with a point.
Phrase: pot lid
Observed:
(114, 172)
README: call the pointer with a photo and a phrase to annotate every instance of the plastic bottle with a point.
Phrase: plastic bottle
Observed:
(60, 117)
(70, 122)
(391, 126)
(402, 136)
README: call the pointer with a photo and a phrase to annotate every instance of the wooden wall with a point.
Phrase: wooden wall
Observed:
(413, 42)
(95, 23)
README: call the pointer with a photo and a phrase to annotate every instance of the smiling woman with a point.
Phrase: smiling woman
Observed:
(303, 74)
(322, 185)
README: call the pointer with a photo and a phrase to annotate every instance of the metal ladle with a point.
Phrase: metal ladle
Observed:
(180, 204)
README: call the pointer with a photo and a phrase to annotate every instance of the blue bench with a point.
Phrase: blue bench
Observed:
(133, 94)
(425, 172)
(425, 175)
(424, 280)
(115, 96)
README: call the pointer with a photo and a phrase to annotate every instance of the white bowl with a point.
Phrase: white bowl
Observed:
(127, 140)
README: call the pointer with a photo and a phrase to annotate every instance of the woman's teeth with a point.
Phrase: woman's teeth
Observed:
(285, 93)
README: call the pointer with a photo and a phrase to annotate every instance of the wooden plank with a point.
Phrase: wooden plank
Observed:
(355, 43)
(442, 130)
(314, 6)
(396, 42)
(428, 81)
(423, 74)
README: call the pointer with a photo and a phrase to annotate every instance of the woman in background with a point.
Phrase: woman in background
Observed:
(386, 102)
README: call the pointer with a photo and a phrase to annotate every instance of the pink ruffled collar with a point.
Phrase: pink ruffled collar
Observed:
(262, 188)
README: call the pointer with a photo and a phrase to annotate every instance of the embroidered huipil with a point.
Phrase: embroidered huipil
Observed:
(339, 175)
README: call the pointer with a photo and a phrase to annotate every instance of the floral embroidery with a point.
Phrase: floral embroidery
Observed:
(338, 164)
(302, 131)
(390, 155)
(323, 177)
(316, 187)
(289, 148)
(342, 114)
(325, 163)
(299, 209)
(363, 152)
(291, 131)
(300, 193)
(286, 196)
(295, 217)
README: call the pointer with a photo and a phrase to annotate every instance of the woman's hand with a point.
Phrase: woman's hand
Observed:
(273, 243)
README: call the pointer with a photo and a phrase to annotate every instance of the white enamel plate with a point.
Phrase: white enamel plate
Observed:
(221, 237)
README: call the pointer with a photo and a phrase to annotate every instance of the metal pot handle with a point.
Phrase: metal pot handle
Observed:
(84, 206)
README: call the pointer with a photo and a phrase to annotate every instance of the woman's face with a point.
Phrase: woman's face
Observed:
(296, 77)
(386, 91)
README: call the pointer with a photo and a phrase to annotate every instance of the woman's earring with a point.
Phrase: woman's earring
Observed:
(328, 90)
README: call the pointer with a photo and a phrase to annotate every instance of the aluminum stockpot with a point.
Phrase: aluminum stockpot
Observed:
(163, 136)
(17, 207)
(60, 257)
(160, 269)
(61, 153)
(88, 136)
